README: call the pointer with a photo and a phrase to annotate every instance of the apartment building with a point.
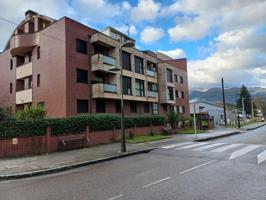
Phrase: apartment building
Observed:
(70, 68)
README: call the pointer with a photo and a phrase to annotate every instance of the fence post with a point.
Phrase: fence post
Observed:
(48, 138)
(87, 135)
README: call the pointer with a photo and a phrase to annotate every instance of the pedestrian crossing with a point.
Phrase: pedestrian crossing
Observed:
(235, 150)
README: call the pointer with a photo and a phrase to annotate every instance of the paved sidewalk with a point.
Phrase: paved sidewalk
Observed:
(48, 163)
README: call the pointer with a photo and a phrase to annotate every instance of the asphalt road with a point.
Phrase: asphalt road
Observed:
(228, 168)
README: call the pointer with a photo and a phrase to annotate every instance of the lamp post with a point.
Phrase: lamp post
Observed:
(127, 43)
(243, 110)
(225, 118)
(252, 109)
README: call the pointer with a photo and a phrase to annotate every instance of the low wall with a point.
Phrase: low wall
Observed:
(44, 144)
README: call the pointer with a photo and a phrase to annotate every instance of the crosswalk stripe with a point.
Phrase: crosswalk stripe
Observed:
(208, 146)
(176, 145)
(194, 145)
(225, 148)
(261, 157)
(243, 151)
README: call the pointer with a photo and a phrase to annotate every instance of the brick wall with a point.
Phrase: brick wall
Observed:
(36, 145)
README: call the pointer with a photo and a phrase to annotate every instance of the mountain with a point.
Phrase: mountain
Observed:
(214, 95)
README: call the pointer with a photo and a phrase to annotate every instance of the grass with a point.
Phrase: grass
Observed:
(191, 131)
(146, 138)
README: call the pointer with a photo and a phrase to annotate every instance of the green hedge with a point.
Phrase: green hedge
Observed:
(76, 124)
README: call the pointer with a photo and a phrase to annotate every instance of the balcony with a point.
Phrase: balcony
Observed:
(152, 94)
(24, 70)
(102, 90)
(150, 73)
(104, 63)
(23, 43)
(24, 96)
(102, 39)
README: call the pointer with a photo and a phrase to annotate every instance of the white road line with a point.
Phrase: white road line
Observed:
(208, 146)
(261, 157)
(116, 197)
(225, 148)
(243, 151)
(156, 182)
(196, 167)
(176, 145)
(194, 145)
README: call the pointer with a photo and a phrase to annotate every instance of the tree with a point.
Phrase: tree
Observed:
(31, 113)
(173, 118)
(244, 93)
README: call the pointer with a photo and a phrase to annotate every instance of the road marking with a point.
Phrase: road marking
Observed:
(225, 148)
(243, 151)
(156, 182)
(116, 197)
(196, 167)
(176, 145)
(208, 146)
(261, 157)
(194, 145)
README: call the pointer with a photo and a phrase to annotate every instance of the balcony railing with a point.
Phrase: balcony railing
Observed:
(152, 94)
(109, 60)
(110, 88)
(24, 96)
(24, 70)
(150, 73)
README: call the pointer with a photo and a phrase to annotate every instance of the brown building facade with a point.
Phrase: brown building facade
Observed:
(70, 68)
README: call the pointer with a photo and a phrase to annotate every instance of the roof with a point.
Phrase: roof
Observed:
(206, 102)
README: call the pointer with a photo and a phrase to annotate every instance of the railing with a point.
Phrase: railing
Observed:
(24, 96)
(150, 73)
(152, 94)
(109, 88)
(109, 60)
(24, 70)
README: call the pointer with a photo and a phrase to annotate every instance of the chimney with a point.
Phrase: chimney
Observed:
(30, 13)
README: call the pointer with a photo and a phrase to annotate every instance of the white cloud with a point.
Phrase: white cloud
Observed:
(175, 53)
(145, 10)
(151, 34)
(132, 29)
(189, 30)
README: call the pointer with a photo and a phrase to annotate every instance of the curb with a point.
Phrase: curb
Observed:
(72, 166)
(253, 128)
(218, 136)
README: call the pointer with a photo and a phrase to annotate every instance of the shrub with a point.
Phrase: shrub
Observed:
(31, 113)
(5, 114)
(173, 118)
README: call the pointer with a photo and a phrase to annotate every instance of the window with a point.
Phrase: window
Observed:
(146, 108)
(169, 75)
(170, 93)
(118, 107)
(126, 64)
(10, 88)
(11, 64)
(181, 80)
(40, 104)
(38, 80)
(82, 76)
(177, 109)
(176, 93)
(183, 109)
(127, 85)
(182, 95)
(176, 78)
(151, 67)
(100, 106)
(82, 106)
(30, 82)
(38, 53)
(81, 46)
(155, 109)
(152, 87)
(139, 65)
(140, 88)
(133, 107)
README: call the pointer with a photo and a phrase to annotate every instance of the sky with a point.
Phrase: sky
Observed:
(219, 38)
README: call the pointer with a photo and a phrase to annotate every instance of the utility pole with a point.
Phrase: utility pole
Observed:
(243, 110)
(195, 124)
(252, 109)
(225, 118)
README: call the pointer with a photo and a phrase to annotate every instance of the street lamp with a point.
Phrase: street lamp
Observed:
(128, 43)
(243, 110)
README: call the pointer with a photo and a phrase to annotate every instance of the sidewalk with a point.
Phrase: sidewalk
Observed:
(13, 168)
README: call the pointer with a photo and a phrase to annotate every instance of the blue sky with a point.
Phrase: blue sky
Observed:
(219, 38)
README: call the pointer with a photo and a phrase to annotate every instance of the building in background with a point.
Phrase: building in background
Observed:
(68, 68)
(208, 115)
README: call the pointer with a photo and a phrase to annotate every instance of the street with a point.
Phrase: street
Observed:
(228, 168)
